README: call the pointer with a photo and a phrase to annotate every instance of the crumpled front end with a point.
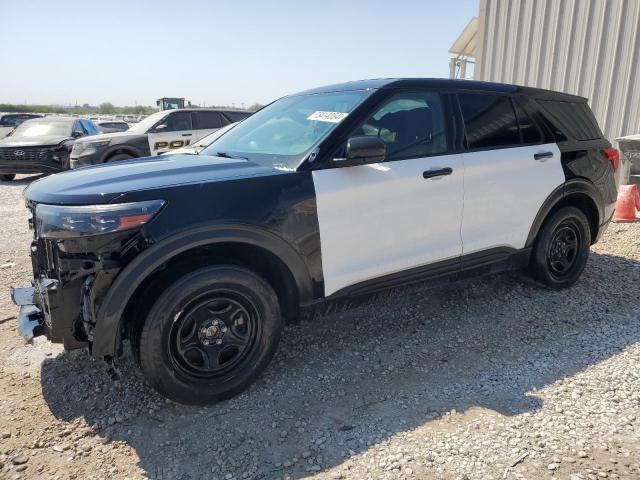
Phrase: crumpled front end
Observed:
(71, 275)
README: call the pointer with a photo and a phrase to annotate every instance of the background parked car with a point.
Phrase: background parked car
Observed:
(41, 145)
(159, 133)
(196, 147)
(110, 126)
(9, 121)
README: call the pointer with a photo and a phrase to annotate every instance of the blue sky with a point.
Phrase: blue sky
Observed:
(216, 52)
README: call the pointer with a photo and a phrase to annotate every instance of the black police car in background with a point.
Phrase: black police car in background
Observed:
(159, 133)
(41, 145)
(319, 197)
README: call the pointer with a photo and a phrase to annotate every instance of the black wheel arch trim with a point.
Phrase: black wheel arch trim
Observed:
(120, 149)
(129, 279)
(573, 186)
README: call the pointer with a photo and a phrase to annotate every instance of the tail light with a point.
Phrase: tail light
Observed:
(613, 156)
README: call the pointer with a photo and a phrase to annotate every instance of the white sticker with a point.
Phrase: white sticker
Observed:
(331, 117)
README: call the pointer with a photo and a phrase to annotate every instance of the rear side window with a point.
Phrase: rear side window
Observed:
(208, 120)
(236, 116)
(489, 120)
(570, 119)
(528, 129)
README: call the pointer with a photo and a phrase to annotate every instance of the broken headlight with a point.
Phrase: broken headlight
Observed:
(55, 221)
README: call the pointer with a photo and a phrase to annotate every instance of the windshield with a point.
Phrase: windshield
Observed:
(36, 128)
(206, 141)
(283, 133)
(143, 125)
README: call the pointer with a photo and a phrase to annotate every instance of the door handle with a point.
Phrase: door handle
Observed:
(437, 172)
(187, 134)
(542, 156)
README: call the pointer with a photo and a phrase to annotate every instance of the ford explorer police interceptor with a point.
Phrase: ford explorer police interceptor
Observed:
(159, 133)
(313, 202)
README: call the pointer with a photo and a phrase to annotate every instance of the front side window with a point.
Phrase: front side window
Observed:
(411, 124)
(178, 121)
(283, 133)
(489, 120)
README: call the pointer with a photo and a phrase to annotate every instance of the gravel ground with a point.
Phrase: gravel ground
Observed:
(490, 378)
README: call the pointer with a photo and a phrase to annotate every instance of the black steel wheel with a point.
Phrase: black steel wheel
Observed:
(210, 334)
(213, 334)
(562, 248)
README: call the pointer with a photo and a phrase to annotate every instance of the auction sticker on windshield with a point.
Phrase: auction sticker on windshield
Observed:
(331, 117)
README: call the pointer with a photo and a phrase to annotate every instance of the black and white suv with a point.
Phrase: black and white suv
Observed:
(318, 198)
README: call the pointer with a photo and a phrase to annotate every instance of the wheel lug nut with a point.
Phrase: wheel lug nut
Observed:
(219, 341)
(224, 329)
(205, 342)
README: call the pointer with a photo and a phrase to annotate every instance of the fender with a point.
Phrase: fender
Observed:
(575, 185)
(110, 313)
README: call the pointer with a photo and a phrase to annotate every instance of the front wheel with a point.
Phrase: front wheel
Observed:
(7, 177)
(210, 334)
(561, 249)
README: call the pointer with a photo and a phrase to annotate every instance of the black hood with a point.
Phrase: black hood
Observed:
(44, 140)
(107, 182)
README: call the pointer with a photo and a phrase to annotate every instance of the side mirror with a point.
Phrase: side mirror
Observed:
(159, 128)
(363, 150)
(77, 134)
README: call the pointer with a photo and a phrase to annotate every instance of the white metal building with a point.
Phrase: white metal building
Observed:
(585, 47)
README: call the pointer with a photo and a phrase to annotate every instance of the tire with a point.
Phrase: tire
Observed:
(7, 177)
(210, 334)
(561, 249)
(118, 157)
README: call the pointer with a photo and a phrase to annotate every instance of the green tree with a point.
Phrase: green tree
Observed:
(255, 107)
(106, 107)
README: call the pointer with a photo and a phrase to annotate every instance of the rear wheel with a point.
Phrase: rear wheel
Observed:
(7, 177)
(120, 156)
(210, 334)
(561, 249)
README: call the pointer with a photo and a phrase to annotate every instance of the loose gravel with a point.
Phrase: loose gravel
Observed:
(491, 378)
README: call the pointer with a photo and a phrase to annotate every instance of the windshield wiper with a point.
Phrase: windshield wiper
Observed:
(227, 155)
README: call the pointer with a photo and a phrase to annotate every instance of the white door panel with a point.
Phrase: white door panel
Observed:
(166, 141)
(383, 218)
(503, 192)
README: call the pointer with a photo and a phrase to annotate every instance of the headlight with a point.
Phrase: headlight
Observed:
(54, 221)
(88, 148)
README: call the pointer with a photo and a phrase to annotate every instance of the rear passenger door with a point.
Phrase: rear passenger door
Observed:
(508, 172)
(403, 214)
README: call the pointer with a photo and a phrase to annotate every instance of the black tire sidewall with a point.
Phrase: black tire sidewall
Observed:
(539, 265)
(154, 355)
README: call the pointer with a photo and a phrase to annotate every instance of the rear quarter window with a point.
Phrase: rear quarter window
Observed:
(570, 119)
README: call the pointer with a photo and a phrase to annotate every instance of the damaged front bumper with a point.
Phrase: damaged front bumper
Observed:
(38, 305)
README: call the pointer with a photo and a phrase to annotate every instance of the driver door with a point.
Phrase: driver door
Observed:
(174, 131)
(399, 217)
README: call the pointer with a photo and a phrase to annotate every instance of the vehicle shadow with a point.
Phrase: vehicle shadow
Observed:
(23, 180)
(344, 382)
